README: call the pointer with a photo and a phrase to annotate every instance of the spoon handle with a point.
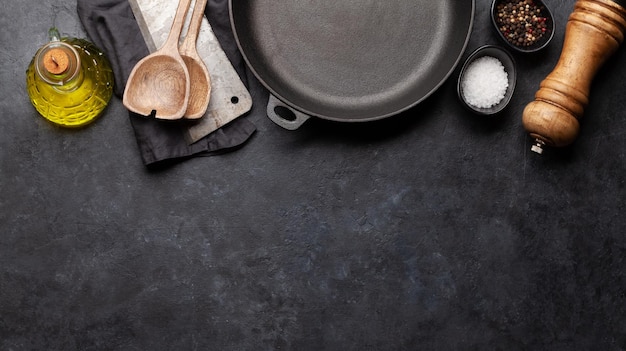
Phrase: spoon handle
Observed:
(171, 43)
(189, 44)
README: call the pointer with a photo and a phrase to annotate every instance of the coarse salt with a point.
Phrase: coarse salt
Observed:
(484, 82)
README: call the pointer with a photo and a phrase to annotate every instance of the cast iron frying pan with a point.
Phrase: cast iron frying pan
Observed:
(351, 60)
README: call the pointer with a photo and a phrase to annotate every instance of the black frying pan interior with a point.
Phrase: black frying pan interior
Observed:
(352, 60)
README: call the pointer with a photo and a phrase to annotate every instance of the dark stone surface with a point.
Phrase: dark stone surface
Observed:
(433, 230)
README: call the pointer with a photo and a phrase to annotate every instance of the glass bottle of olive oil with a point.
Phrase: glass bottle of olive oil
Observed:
(69, 81)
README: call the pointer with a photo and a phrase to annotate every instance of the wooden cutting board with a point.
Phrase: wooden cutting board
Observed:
(229, 97)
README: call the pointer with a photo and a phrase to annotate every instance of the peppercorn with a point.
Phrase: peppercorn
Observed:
(521, 22)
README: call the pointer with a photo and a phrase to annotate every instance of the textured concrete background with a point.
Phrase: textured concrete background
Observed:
(433, 230)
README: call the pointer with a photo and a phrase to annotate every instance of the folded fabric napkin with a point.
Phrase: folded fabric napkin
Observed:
(111, 25)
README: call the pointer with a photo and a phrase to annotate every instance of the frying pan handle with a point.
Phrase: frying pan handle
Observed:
(284, 115)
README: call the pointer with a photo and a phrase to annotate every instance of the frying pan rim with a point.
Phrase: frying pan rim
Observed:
(344, 119)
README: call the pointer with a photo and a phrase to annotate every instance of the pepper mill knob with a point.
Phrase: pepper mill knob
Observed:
(594, 31)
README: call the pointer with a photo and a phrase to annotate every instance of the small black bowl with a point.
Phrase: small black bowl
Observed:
(509, 66)
(546, 19)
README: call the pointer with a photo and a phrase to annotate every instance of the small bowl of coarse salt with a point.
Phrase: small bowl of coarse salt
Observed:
(487, 80)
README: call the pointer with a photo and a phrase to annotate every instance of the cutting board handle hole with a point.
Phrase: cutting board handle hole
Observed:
(234, 100)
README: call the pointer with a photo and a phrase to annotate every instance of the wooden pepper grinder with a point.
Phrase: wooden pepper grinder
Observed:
(594, 31)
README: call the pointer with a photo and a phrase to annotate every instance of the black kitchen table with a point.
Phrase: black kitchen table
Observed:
(432, 230)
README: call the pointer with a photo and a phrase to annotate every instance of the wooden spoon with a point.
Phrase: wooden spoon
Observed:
(159, 83)
(200, 80)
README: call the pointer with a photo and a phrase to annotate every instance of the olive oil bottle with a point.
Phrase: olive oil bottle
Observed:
(69, 81)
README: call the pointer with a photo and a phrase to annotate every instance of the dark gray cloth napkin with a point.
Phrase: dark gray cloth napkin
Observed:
(110, 25)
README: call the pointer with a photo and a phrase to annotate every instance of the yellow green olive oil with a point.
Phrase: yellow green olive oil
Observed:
(69, 81)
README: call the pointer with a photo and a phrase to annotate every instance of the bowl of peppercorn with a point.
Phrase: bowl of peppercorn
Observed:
(524, 25)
